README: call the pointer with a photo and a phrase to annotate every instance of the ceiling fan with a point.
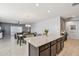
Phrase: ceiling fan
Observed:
(74, 4)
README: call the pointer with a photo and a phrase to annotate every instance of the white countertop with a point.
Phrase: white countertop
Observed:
(41, 40)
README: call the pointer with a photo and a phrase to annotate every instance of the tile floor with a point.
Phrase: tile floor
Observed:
(9, 47)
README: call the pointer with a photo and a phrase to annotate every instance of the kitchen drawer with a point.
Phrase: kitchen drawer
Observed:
(53, 42)
(59, 39)
(62, 44)
(63, 38)
(45, 52)
(53, 50)
(44, 47)
(58, 47)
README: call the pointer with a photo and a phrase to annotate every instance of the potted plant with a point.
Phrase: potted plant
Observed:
(46, 32)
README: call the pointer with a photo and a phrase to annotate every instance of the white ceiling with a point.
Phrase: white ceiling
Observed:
(29, 13)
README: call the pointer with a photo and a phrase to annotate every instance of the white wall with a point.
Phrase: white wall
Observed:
(72, 34)
(53, 25)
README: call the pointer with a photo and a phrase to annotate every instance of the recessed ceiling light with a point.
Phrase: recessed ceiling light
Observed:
(37, 4)
(48, 11)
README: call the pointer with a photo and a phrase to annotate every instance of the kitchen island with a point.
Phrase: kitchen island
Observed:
(49, 45)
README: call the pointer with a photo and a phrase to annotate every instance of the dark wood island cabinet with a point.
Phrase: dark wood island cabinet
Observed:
(44, 50)
(49, 49)
(58, 45)
(53, 48)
